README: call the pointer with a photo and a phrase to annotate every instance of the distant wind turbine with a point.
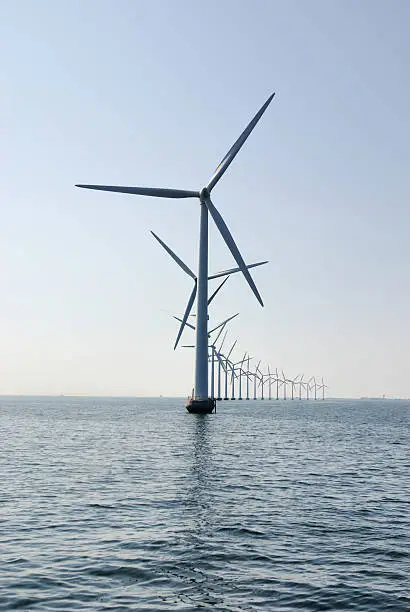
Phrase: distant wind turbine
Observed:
(192, 297)
(323, 387)
(226, 369)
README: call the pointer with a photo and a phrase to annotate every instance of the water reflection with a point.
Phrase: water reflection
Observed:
(199, 494)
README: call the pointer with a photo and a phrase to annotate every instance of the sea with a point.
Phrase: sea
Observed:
(134, 504)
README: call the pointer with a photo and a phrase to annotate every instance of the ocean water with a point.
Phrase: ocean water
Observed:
(134, 504)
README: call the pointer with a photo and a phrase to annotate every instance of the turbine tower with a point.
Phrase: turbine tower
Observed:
(200, 401)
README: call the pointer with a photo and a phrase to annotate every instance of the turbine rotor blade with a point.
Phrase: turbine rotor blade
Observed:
(234, 270)
(216, 291)
(223, 340)
(233, 151)
(175, 257)
(223, 323)
(219, 333)
(180, 320)
(233, 346)
(144, 191)
(186, 315)
(230, 243)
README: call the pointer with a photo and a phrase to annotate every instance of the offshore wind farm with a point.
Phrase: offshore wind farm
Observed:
(203, 397)
(167, 443)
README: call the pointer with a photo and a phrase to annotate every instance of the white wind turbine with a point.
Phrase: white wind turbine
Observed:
(221, 365)
(215, 354)
(284, 381)
(300, 386)
(323, 387)
(262, 383)
(315, 386)
(200, 402)
(255, 377)
(270, 384)
(227, 362)
(293, 383)
(308, 387)
(242, 373)
(247, 376)
(277, 379)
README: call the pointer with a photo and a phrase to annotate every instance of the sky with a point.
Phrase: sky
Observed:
(154, 94)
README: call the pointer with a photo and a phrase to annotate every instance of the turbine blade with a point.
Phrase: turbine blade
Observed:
(186, 315)
(230, 243)
(180, 320)
(216, 291)
(234, 270)
(223, 323)
(223, 340)
(145, 191)
(233, 151)
(175, 257)
(233, 346)
(219, 333)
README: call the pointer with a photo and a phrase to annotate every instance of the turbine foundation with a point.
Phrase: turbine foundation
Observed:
(201, 406)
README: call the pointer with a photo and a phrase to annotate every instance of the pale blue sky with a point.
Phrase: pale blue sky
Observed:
(154, 93)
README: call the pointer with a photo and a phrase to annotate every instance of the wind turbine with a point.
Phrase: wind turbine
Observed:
(315, 386)
(241, 371)
(233, 376)
(277, 384)
(270, 384)
(200, 401)
(255, 376)
(300, 386)
(247, 378)
(213, 354)
(323, 387)
(226, 369)
(293, 383)
(262, 383)
(284, 384)
(187, 270)
(308, 387)
(220, 365)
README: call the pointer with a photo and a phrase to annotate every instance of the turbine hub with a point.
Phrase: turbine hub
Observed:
(204, 194)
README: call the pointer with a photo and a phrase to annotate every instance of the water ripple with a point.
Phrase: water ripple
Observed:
(124, 504)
